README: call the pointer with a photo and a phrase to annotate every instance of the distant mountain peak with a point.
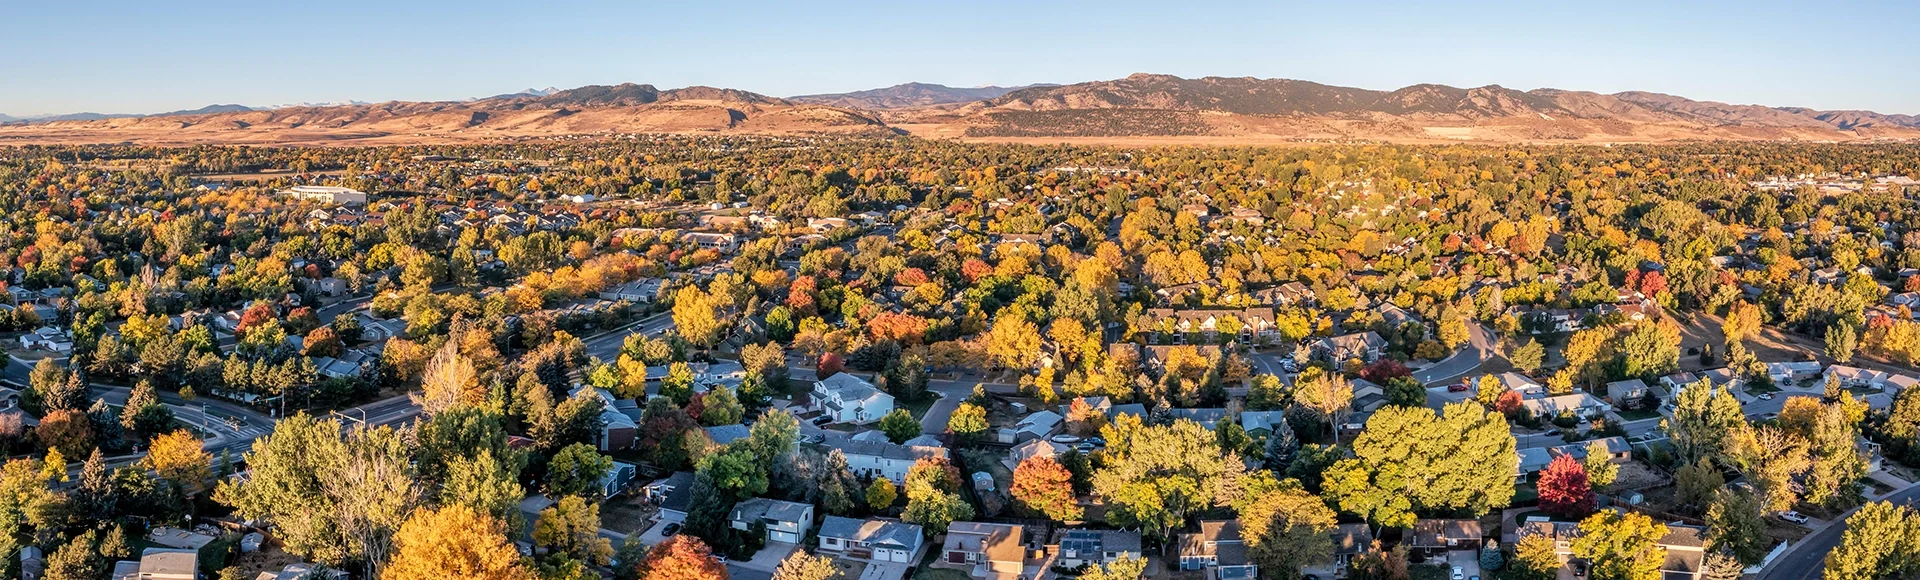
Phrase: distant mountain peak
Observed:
(910, 94)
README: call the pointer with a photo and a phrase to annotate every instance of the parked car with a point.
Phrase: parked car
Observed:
(1766, 396)
(1459, 574)
(1457, 388)
(1793, 516)
(1085, 446)
(823, 419)
(671, 529)
(1065, 438)
(1097, 440)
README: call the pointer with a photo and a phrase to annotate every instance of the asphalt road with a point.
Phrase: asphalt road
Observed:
(606, 347)
(1479, 348)
(1808, 559)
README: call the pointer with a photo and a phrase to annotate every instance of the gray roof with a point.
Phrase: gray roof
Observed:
(725, 434)
(680, 496)
(902, 535)
(1096, 541)
(771, 509)
(883, 449)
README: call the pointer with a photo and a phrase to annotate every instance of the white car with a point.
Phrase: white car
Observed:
(1065, 438)
(1766, 396)
(1793, 516)
(1459, 574)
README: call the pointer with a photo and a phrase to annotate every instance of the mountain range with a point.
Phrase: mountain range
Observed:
(1138, 109)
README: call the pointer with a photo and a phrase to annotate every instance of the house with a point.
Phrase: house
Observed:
(1436, 537)
(992, 549)
(785, 521)
(617, 430)
(1627, 394)
(1032, 448)
(1858, 378)
(1363, 346)
(618, 478)
(1209, 418)
(1580, 405)
(1532, 460)
(640, 291)
(880, 458)
(870, 539)
(330, 286)
(824, 225)
(1349, 540)
(169, 564)
(1516, 382)
(1787, 373)
(1260, 424)
(724, 434)
(327, 194)
(723, 243)
(531, 506)
(1219, 548)
(673, 494)
(1038, 425)
(848, 399)
(1247, 324)
(302, 571)
(1078, 548)
(349, 364)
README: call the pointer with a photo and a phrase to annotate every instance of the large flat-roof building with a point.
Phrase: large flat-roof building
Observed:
(327, 193)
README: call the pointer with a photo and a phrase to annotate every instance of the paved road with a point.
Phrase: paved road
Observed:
(1808, 559)
(1479, 348)
(606, 347)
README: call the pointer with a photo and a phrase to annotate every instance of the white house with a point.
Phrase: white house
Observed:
(848, 399)
(1859, 378)
(1581, 405)
(881, 458)
(877, 540)
(785, 521)
(326, 193)
(1082, 547)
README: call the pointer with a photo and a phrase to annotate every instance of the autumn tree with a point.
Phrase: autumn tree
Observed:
(1564, 489)
(1735, 526)
(449, 381)
(1328, 394)
(1621, 545)
(455, 541)
(800, 565)
(1042, 486)
(1601, 470)
(571, 527)
(697, 315)
(968, 421)
(1287, 528)
(881, 494)
(1014, 342)
(684, 557)
(1462, 459)
(178, 457)
(899, 426)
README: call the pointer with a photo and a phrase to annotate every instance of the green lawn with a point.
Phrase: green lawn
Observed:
(919, 408)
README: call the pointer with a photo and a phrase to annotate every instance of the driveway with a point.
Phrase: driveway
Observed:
(1468, 561)
(767, 558)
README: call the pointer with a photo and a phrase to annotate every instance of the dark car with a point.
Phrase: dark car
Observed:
(822, 420)
(670, 530)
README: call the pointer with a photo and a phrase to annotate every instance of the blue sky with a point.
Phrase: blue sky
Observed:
(145, 56)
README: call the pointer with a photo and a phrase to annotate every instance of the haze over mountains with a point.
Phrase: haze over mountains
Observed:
(1141, 108)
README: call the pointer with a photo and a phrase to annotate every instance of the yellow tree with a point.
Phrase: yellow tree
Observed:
(1014, 342)
(697, 315)
(449, 381)
(179, 458)
(454, 542)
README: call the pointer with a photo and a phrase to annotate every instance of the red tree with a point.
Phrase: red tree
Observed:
(974, 269)
(911, 277)
(1508, 404)
(800, 295)
(1653, 282)
(259, 313)
(684, 557)
(830, 364)
(1564, 489)
(1387, 368)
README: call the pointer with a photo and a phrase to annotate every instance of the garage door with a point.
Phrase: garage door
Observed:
(890, 555)
(787, 537)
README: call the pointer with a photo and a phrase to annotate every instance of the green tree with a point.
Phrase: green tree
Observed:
(800, 565)
(1735, 526)
(721, 408)
(899, 425)
(576, 470)
(1601, 470)
(1408, 459)
(1534, 558)
(1528, 357)
(1703, 417)
(1287, 529)
(1841, 341)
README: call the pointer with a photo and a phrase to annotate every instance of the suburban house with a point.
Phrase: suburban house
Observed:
(1627, 394)
(1260, 424)
(1246, 324)
(877, 540)
(724, 434)
(1858, 378)
(786, 521)
(673, 494)
(617, 430)
(640, 291)
(1078, 548)
(1032, 448)
(723, 243)
(992, 549)
(1580, 405)
(1038, 425)
(618, 479)
(1436, 537)
(1209, 418)
(166, 564)
(1217, 547)
(848, 399)
(1349, 540)
(1363, 346)
(881, 458)
(348, 364)
(1786, 373)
